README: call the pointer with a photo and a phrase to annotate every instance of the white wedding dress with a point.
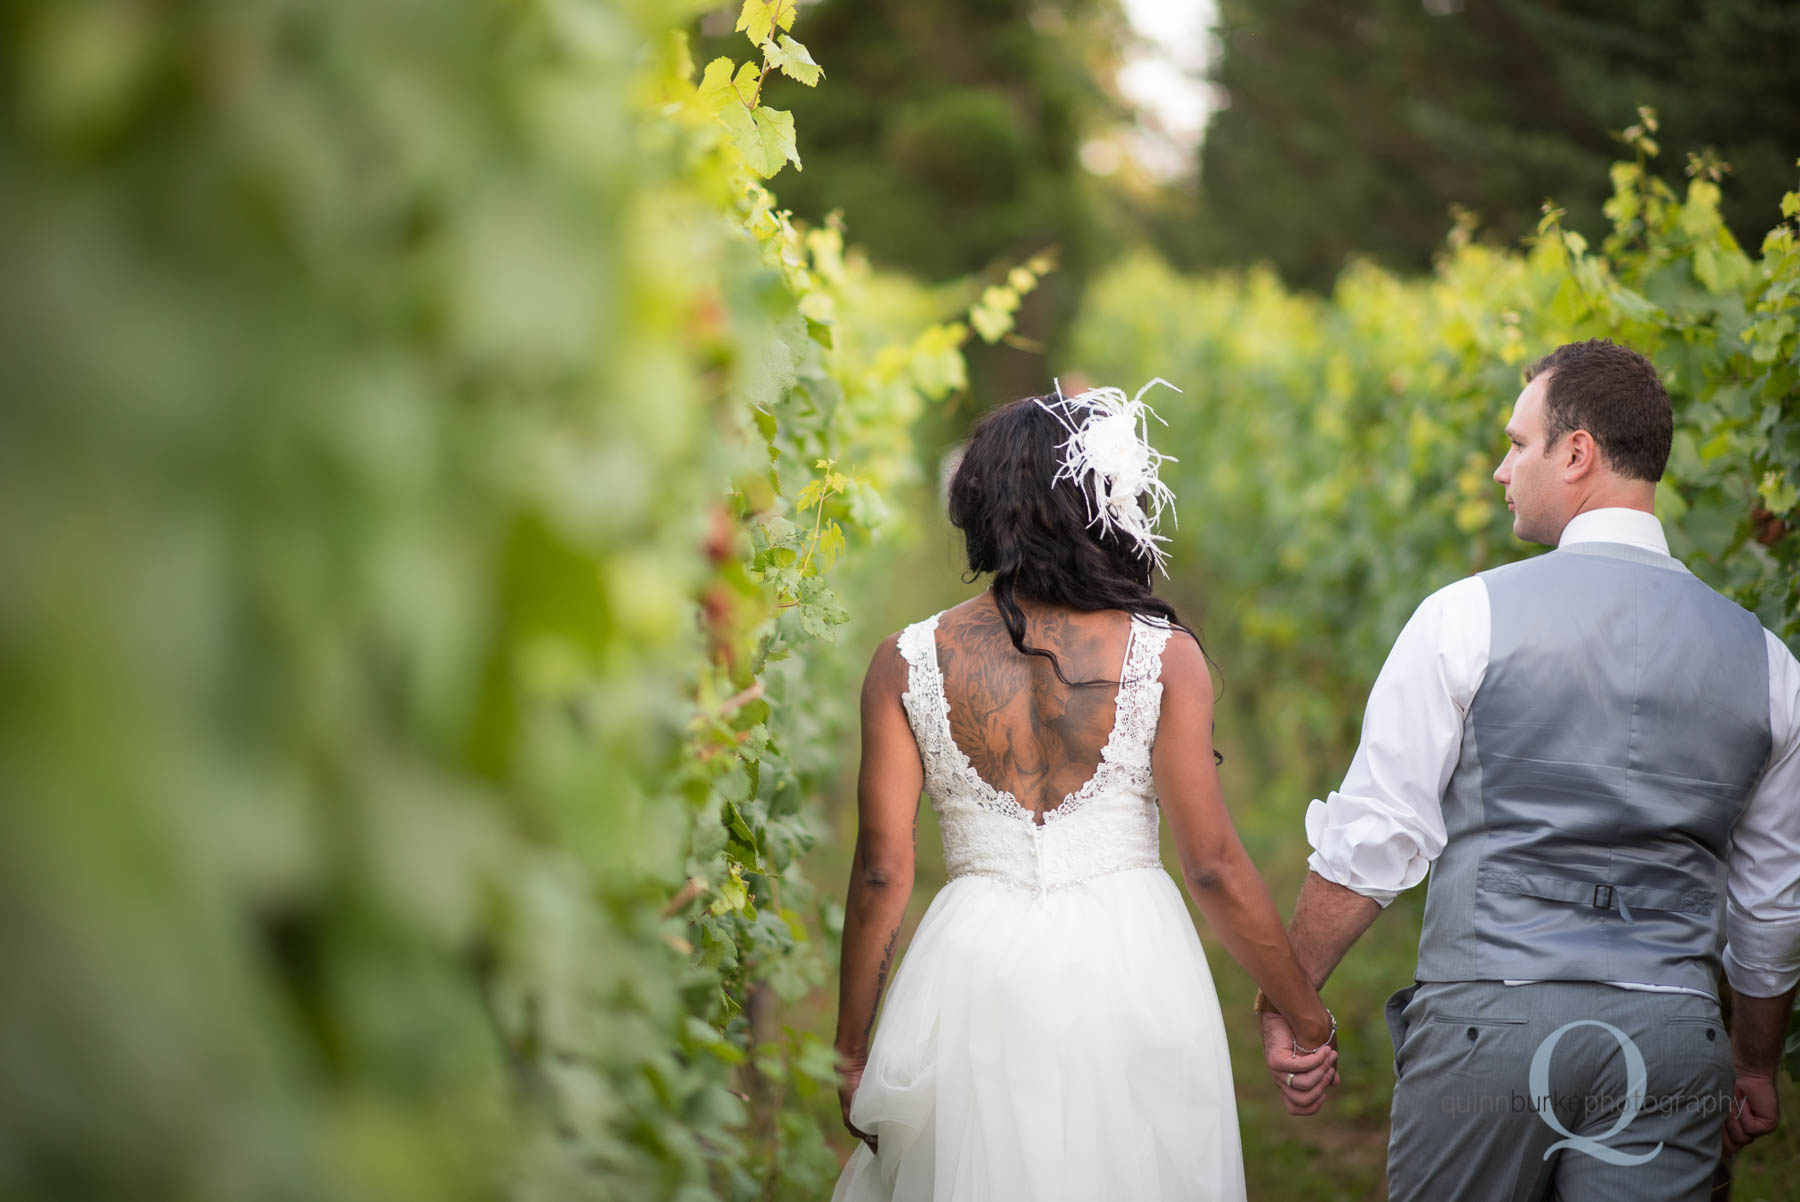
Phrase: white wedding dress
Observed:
(1053, 1032)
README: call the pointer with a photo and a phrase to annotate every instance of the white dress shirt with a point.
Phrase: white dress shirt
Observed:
(1379, 833)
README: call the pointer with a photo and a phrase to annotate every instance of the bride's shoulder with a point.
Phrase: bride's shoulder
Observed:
(1184, 663)
(888, 667)
(911, 645)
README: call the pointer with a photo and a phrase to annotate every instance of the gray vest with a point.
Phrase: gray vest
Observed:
(1615, 738)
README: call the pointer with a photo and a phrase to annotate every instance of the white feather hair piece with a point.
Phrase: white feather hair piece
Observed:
(1109, 458)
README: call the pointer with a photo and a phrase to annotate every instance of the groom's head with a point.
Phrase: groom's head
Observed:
(1591, 429)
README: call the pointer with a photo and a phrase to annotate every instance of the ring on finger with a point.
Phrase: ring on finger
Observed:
(1290, 1080)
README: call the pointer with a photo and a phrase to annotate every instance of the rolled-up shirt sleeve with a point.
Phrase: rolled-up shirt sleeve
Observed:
(1380, 831)
(1762, 890)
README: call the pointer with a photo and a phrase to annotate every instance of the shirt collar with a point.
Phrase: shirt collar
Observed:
(1633, 527)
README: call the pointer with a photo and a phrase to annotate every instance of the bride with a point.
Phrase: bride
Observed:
(1054, 1032)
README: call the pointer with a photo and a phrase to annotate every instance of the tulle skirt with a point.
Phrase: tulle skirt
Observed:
(1033, 1049)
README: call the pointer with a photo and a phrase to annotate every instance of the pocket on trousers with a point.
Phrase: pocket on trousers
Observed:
(1472, 1048)
(1689, 1062)
(1697, 1020)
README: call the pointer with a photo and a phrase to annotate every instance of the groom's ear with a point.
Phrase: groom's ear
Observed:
(1580, 455)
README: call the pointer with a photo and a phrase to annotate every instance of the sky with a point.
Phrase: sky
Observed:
(1163, 78)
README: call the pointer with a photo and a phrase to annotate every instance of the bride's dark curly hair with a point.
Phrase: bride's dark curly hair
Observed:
(1034, 536)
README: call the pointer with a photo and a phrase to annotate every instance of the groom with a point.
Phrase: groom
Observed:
(1598, 759)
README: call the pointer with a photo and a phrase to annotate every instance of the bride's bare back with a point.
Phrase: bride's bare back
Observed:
(1023, 730)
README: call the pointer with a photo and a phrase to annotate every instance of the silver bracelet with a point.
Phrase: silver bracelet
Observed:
(1300, 1051)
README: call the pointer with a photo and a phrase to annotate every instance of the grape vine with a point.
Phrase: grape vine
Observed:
(433, 448)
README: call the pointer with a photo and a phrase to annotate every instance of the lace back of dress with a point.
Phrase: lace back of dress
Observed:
(1124, 760)
(1107, 826)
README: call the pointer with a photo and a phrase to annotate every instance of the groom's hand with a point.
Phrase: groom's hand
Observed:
(1755, 1110)
(1302, 1080)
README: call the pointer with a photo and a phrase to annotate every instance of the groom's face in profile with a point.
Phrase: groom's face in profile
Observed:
(1529, 473)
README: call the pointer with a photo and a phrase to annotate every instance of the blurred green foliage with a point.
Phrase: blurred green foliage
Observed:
(428, 448)
(1351, 129)
(949, 138)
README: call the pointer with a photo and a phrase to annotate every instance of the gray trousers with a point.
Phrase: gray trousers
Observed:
(1565, 1090)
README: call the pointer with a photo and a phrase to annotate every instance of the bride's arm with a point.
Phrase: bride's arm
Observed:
(1220, 877)
(881, 875)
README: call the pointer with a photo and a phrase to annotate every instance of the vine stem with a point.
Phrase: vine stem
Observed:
(694, 887)
(755, 96)
(818, 523)
(738, 701)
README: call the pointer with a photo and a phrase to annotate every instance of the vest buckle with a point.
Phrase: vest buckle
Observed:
(1603, 897)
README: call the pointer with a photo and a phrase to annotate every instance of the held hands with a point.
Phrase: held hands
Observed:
(1755, 1110)
(1302, 1079)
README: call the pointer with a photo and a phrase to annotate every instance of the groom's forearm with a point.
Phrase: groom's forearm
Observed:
(1327, 919)
(1758, 1030)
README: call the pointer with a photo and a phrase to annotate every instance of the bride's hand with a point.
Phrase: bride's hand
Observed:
(849, 1077)
(1303, 1080)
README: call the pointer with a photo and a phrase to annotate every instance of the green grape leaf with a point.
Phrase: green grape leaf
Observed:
(734, 894)
(736, 825)
(1720, 269)
(707, 839)
(785, 580)
(831, 544)
(793, 60)
(719, 93)
(717, 949)
(701, 1035)
(817, 1061)
(992, 315)
(991, 324)
(767, 427)
(1778, 493)
(767, 141)
(733, 784)
(819, 307)
(779, 531)
(1706, 269)
(1000, 298)
(938, 367)
(758, 19)
(821, 613)
(1633, 304)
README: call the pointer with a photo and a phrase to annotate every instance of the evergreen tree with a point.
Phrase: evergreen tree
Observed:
(1353, 129)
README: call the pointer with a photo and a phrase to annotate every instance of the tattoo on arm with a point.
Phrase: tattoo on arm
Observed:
(887, 959)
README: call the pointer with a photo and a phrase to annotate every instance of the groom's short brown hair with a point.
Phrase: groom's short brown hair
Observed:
(1614, 394)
